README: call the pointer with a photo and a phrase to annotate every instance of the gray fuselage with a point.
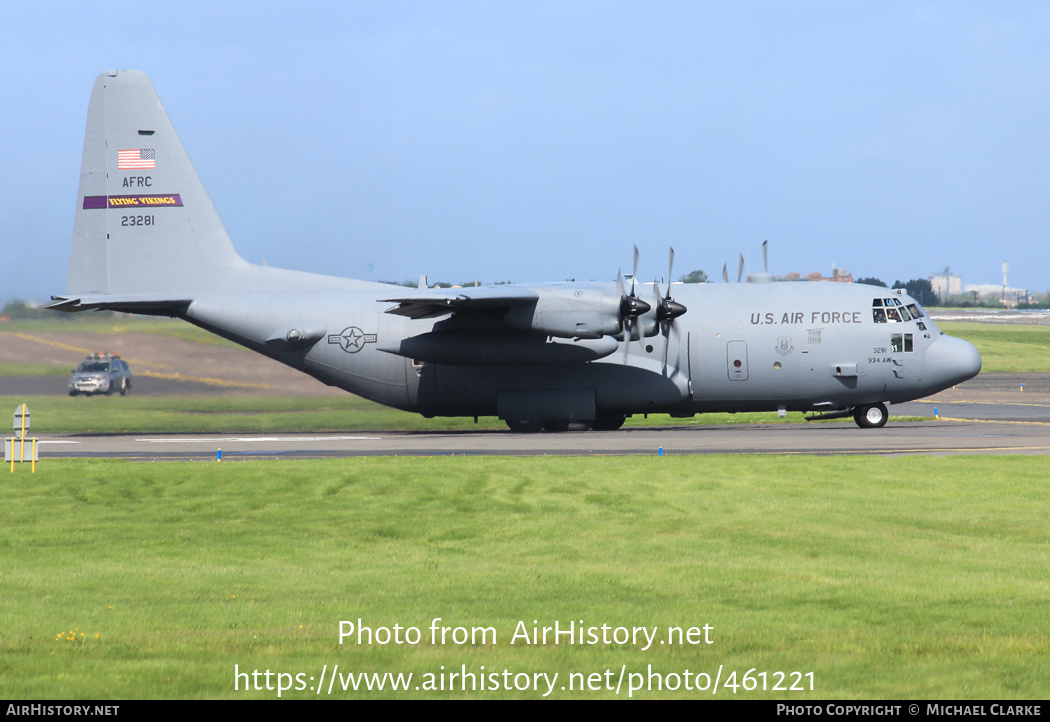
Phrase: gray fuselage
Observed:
(740, 347)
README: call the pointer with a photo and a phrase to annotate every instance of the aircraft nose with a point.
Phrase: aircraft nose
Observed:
(951, 361)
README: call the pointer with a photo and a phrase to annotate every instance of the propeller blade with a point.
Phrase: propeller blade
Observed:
(725, 273)
(765, 258)
(670, 265)
(740, 269)
(634, 270)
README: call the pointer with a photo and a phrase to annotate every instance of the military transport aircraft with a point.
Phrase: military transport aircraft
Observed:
(148, 240)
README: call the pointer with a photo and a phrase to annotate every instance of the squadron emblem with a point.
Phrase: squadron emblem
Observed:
(784, 346)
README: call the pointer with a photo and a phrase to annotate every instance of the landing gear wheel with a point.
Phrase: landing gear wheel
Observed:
(556, 425)
(608, 422)
(522, 426)
(873, 416)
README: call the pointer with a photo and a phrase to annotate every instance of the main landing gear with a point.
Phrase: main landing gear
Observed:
(604, 422)
(872, 416)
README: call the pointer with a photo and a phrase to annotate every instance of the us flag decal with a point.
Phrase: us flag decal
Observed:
(136, 159)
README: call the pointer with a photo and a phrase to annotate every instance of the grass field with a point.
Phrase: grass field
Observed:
(884, 577)
(1006, 347)
(106, 323)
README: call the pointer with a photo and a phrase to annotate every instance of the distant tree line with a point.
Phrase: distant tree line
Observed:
(19, 310)
(918, 288)
(22, 311)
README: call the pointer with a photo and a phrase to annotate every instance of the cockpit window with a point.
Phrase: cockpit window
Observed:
(891, 310)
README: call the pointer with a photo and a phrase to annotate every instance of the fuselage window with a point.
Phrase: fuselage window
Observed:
(902, 342)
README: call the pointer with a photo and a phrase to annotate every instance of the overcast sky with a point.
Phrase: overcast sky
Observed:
(537, 141)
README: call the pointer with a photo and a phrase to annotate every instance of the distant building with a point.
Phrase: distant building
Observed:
(1010, 298)
(841, 275)
(945, 284)
(838, 275)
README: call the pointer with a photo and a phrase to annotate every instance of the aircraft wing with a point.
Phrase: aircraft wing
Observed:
(437, 302)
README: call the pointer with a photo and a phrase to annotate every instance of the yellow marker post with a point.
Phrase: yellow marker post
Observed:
(22, 435)
(16, 445)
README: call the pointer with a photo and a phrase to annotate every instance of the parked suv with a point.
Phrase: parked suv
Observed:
(101, 373)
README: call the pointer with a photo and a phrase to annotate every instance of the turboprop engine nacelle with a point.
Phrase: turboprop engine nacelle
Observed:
(570, 313)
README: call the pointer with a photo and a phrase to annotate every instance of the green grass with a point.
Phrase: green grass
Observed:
(1014, 348)
(109, 324)
(884, 577)
(31, 369)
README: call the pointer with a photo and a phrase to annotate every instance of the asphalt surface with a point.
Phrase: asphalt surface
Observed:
(992, 414)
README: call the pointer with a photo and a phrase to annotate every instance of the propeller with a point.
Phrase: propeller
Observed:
(631, 307)
(740, 269)
(667, 309)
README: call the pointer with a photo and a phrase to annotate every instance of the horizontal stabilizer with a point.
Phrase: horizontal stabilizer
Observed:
(152, 304)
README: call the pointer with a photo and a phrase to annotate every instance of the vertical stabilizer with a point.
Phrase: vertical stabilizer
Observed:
(144, 223)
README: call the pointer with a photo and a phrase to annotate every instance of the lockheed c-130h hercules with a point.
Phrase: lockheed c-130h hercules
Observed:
(148, 240)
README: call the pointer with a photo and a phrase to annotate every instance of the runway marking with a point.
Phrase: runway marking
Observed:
(977, 403)
(862, 452)
(251, 439)
(995, 421)
(203, 380)
(58, 344)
